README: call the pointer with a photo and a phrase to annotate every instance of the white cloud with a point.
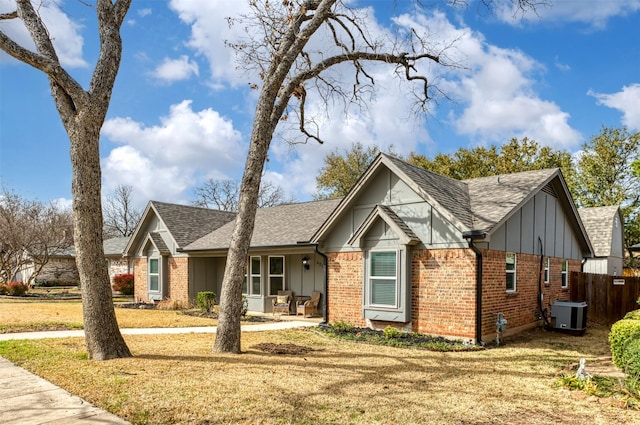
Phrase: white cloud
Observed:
(144, 12)
(594, 13)
(171, 70)
(161, 162)
(210, 30)
(626, 101)
(65, 33)
(495, 89)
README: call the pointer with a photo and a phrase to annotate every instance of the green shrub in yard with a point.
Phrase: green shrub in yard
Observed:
(631, 357)
(633, 315)
(622, 332)
(123, 283)
(390, 332)
(3, 289)
(342, 326)
(206, 300)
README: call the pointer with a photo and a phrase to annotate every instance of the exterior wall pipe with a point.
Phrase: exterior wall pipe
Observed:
(470, 236)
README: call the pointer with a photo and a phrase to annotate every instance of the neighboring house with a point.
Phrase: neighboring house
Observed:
(61, 268)
(604, 226)
(116, 263)
(406, 247)
(423, 252)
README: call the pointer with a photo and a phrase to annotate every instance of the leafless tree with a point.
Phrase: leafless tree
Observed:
(293, 45)
(120, 215)
(82, 113)
(30, 233)
(224, 195)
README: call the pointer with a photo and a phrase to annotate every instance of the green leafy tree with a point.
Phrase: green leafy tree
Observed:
(343, 169)
(606, 174)
(515, 156)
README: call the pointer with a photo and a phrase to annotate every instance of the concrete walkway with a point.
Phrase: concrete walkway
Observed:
(26, 399)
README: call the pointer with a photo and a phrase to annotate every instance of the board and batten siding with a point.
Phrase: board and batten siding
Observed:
(542, 217)
(385, 188)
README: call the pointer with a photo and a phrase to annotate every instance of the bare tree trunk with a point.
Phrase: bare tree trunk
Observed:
(228, 333)
(102, 335)
(82, 114)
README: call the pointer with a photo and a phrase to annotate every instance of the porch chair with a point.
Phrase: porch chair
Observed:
(282, 302)
(309, 307)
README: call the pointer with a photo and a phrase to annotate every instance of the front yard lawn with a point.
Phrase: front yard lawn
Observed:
(29, 316)
(177, 379)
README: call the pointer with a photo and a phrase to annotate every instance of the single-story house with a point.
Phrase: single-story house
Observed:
(406, 247)
(179, 258)
(604, 225)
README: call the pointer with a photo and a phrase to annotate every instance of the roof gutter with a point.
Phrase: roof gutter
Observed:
(472, 236)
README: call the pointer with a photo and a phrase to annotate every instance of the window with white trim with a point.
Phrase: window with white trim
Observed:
(383, 278)
(565, 271)
(153, 275)
(546, 270)
(511, 271)
(276, 274)
(252, 280)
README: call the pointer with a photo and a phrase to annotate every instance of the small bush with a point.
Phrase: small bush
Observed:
(206, 300)
(391, 333)
(621, 333)
(633, 315)
(342, 326)
(17, 289)
(123, 283)
(3, 289)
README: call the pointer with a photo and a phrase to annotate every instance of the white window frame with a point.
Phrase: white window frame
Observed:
(565, 274)
(547, 261)
(271, 275)
(371, 278)
(156, 274)
(250, 275)
(511, 272)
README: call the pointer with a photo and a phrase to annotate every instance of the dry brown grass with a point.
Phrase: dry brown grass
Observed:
(25, 316)
(177, 379)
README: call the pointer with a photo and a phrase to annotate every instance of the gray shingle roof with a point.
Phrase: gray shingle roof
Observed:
(187, 223)
(450, 193)
(598, 222)
(493, 198)
(281, 225)
(115, 246)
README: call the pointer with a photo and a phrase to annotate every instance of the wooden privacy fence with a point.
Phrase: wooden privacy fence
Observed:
(608, 298)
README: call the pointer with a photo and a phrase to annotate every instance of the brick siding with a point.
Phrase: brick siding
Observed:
(443, 292)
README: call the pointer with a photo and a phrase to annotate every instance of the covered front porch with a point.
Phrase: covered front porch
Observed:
(297, 269)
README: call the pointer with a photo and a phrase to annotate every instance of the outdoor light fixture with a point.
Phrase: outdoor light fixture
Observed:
(305, 263)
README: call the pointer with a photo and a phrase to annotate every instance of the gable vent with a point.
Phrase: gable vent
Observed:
(548, 188)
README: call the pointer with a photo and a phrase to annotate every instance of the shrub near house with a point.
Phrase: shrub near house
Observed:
(14, 289)
(123, 283)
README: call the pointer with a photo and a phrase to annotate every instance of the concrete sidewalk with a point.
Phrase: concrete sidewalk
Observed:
(26, 399)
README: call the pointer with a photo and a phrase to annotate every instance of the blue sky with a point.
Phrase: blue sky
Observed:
(181, 110)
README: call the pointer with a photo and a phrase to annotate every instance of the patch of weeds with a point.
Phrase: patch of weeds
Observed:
(393, 337)
(624, 393)
(272, 348)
